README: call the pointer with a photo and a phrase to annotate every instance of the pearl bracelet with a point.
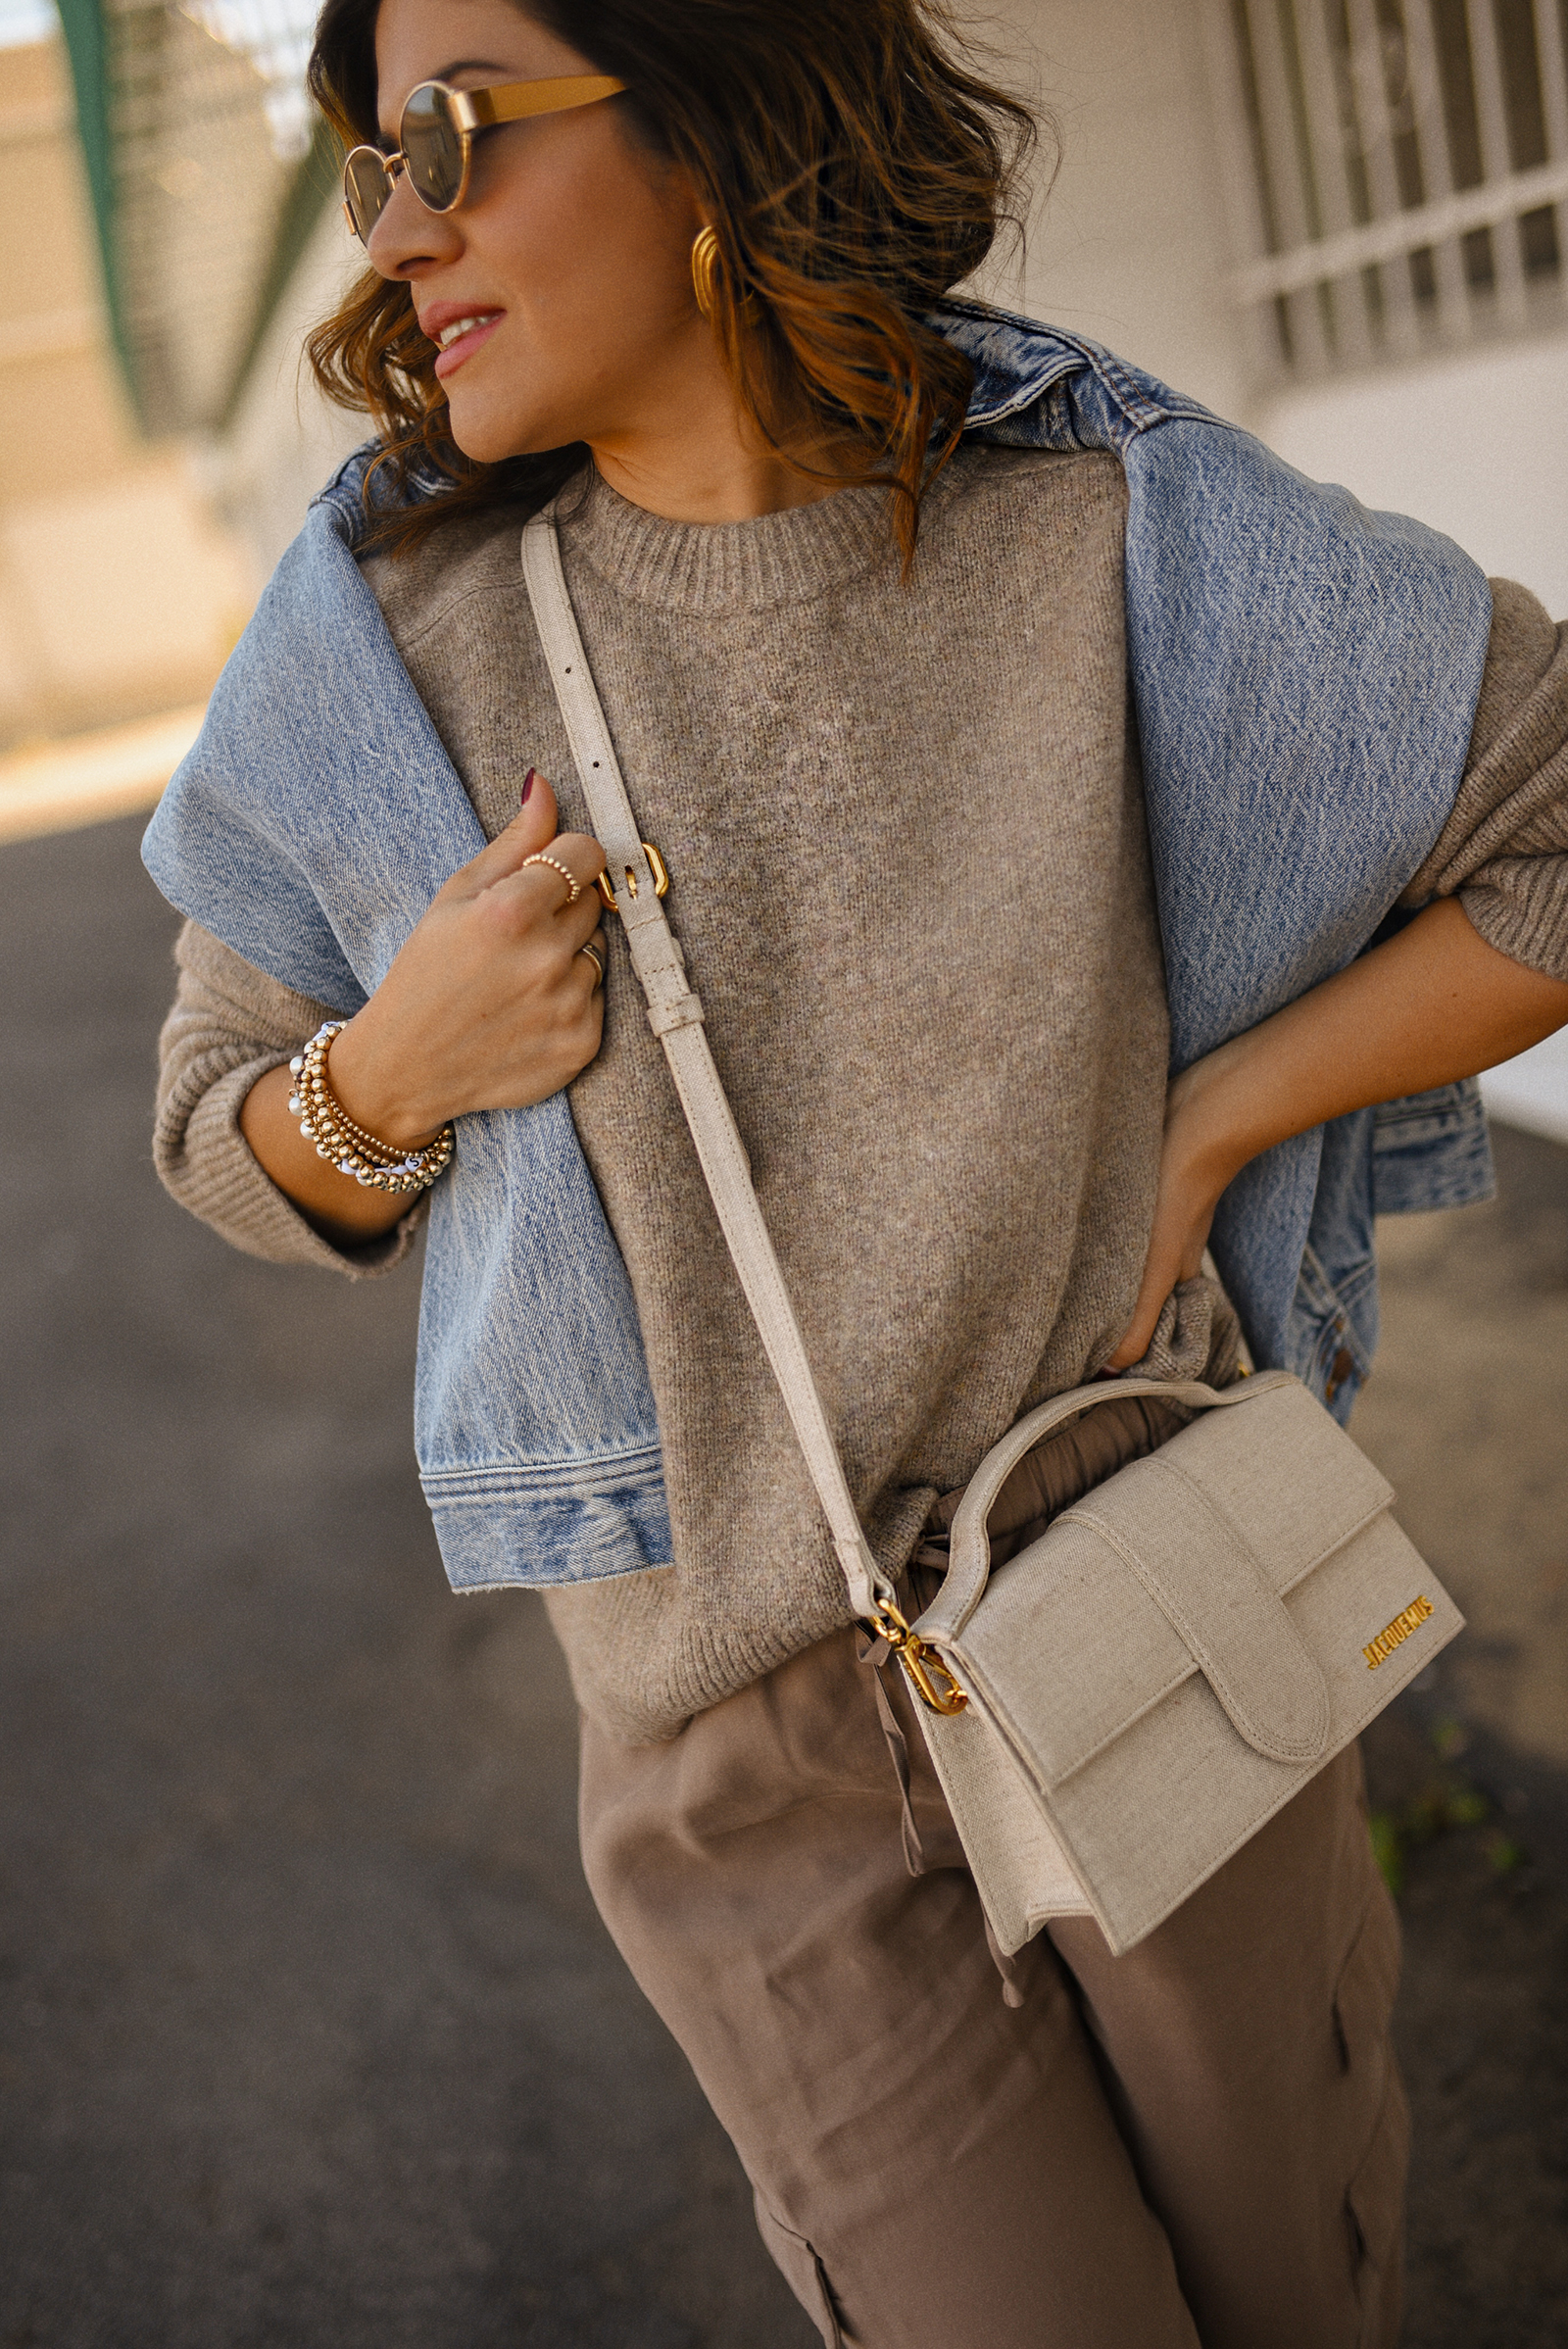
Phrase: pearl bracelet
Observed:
(375, 1164)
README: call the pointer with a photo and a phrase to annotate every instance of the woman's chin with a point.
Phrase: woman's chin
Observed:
(487, 438)
(480, 433)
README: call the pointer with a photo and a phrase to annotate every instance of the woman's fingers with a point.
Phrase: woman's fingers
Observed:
(530, 834)
(490, 1002)
(1183, 1210)
(570, 864)
(1175, 1254)
(578, 923)
(533, 827)
(593, 956)
(535, 911)
(553, 879)
(1158, 1282)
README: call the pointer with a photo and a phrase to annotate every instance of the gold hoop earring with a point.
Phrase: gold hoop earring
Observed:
(705, 270)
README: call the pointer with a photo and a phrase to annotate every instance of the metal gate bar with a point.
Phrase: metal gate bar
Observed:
(1411, 165)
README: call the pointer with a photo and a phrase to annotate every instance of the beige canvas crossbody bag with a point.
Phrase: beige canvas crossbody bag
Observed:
(1115, 1710)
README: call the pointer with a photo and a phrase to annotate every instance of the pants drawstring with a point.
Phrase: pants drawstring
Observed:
(876, 1652)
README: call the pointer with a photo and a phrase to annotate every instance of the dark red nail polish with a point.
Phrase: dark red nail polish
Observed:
(529, 782)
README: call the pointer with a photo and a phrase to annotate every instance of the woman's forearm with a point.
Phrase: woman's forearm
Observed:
(342, 1210)
(1433, 1004)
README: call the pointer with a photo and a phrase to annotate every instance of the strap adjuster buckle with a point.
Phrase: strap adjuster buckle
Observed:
(656, 866)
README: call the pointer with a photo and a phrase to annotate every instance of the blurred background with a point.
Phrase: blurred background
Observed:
(308, 2031)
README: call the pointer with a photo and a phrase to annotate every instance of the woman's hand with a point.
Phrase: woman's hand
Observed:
(490, 1004)
(1195, 1166)
(1434, 1005)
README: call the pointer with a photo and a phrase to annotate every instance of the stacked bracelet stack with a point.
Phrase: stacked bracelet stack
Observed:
(379, 1165)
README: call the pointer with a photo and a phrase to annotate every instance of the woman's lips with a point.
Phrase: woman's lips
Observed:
(464, 346)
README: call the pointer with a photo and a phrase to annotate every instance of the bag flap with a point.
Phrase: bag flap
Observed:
(1207, 1581)
(1178, 1563)
(1287, 1472)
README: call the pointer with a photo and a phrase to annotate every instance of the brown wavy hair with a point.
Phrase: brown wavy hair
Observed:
(856, 163)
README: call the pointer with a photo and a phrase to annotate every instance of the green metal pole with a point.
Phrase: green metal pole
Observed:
(87, 46)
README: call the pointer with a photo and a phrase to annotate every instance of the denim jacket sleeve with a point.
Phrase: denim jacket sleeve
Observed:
(1305, 675)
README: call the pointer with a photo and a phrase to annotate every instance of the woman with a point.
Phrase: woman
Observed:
(866, 583)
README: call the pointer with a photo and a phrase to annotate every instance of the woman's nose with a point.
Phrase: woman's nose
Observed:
(407, 234)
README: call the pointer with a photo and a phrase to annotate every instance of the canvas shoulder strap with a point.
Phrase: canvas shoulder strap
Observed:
(675, 1015)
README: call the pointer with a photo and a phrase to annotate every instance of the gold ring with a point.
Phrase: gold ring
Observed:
(592, 954)
(564, 870)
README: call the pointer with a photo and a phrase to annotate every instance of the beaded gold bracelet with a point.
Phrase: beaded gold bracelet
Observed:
(377, 1165)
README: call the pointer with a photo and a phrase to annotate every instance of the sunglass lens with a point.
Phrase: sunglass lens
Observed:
(367, 187)
(432, 145)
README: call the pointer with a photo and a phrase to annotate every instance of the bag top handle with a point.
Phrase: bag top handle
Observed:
(970, 1546)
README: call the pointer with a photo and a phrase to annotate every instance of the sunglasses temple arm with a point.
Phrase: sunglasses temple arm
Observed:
(514, 102)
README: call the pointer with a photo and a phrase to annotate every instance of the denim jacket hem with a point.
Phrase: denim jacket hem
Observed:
(585, 1521)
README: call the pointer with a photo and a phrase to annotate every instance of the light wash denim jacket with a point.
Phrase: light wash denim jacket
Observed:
(1306, 677)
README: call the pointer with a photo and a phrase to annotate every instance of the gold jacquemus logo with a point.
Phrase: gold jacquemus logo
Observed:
(1395, 1634)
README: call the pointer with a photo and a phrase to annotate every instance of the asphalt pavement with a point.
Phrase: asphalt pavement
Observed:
(309, 2033)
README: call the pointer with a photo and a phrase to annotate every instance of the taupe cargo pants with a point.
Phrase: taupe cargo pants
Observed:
(1201, 2142)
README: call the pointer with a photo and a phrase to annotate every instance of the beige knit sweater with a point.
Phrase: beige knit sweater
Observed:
(911, 874)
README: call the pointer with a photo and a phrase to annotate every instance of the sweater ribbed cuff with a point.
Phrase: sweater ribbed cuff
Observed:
(1520, 906)
(239, 1200)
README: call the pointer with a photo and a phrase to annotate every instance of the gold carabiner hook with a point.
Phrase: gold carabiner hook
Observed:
(932, 1681)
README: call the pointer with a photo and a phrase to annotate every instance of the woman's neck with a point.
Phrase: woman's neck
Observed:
(703, 459)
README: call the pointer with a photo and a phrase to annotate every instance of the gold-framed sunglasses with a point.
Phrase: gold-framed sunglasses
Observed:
(436, 136)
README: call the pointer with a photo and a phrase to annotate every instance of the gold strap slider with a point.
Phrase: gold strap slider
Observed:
(656, 866)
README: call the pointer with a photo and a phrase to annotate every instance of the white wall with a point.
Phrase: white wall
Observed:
(1133, 245)
(286, 439)
(1532, 1092)
(1476, 444)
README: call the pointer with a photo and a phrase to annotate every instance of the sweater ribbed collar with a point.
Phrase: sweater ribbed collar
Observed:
(716, 567)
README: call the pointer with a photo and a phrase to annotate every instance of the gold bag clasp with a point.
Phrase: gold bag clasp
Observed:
(931, 1679)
